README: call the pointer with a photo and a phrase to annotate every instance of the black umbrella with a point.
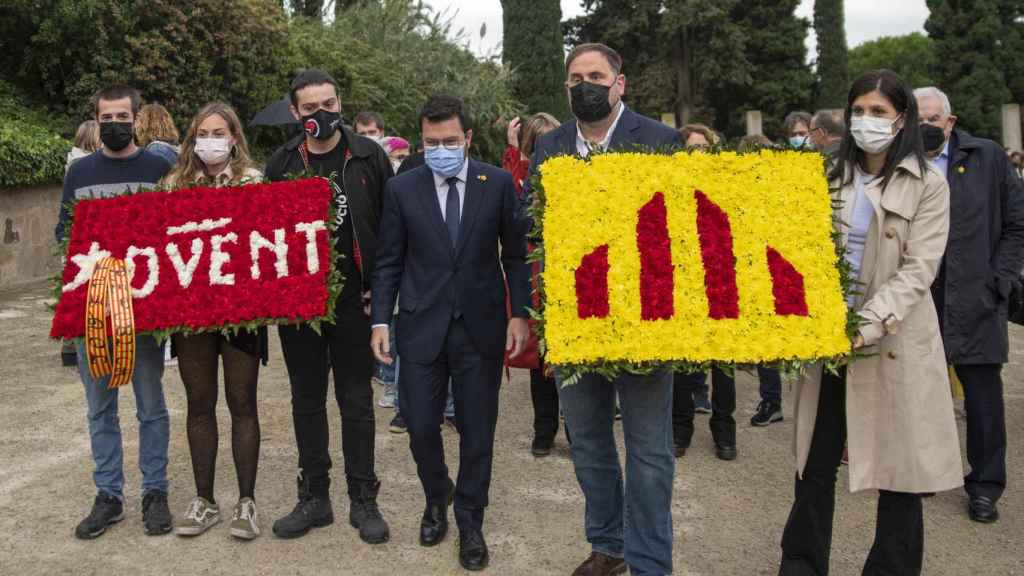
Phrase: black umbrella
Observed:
(277, 113)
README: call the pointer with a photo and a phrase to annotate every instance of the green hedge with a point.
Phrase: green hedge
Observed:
(30, 152)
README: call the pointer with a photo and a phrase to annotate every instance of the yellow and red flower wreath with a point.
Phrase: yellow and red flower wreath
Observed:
(692, 258)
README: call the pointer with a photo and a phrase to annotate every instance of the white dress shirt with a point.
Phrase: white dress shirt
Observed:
(941, 162)
(583, 147)
(441, 184)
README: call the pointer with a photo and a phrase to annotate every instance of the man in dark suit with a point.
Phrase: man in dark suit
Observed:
(644, 544)
(438, 253)
(984, 256)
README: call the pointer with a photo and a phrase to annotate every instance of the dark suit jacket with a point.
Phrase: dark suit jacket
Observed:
(634, 132)
(415, 262)
(984, 253)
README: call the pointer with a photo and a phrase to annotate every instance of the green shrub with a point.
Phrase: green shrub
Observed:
(31, 152)
(180, 53)
(387, 56)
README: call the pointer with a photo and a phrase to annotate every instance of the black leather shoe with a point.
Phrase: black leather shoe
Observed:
(434, 525)
(725, 451)
(679, 450)
(983, 509)
(541, 446)
(473, 550)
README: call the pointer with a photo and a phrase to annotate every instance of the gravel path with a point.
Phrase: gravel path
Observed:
(728, 516)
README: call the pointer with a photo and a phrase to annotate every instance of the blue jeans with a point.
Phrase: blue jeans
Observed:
(105, 427)
(634, 523)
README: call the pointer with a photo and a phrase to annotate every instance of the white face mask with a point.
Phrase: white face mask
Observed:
(213, 151)
(872, 134)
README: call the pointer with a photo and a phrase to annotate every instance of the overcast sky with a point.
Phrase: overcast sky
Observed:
(865, 19)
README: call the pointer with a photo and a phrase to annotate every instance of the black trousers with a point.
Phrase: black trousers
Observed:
(476, 380)
(986, 429)
(344, 349)
(544, 394)
(807, 540)
(723, 404)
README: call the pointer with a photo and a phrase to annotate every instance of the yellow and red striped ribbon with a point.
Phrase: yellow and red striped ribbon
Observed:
(110, 294)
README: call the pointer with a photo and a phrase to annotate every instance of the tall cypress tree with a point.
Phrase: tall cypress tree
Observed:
(968, 50)
(533, 46)
(833, 77)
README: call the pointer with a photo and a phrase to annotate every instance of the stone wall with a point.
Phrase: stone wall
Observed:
(27, 219)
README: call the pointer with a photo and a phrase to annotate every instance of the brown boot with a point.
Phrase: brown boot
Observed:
(601, 565)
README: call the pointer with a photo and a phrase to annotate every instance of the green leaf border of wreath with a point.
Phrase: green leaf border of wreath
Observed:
(571, 374)
(335, 279)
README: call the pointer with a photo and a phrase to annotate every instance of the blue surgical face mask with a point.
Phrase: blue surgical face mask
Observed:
(798, 142)
(445, 162)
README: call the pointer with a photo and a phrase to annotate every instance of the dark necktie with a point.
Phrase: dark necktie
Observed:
(451, 211)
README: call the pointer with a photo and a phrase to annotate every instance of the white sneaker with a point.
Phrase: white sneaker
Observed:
(245, 522)
(199, 518)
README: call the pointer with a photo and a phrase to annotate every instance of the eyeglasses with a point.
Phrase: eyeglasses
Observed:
(447, 144)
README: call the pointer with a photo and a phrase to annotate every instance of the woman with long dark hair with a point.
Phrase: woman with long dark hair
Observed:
(892, 401)
(215, 154)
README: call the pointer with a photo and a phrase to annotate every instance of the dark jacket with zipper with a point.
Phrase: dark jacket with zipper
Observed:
(363, 179)
(984, 253)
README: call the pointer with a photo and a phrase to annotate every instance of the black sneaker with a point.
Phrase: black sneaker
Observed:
(156, 516)
(541, 446)
(767, 413)
(364, 515)
(397, 425)
(106, 511)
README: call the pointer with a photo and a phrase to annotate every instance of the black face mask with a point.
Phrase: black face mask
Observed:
(933, 137)
(590, 101)
(116, 135)
(321, 124)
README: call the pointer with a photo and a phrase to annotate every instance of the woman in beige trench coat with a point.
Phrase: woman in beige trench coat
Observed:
(893, 407)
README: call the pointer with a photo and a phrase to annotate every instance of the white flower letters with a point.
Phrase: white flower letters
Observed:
(223, 247)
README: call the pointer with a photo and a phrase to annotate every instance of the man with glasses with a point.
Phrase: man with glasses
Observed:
(438, 255)
(643, 540)
(984, 255)
(826, 135)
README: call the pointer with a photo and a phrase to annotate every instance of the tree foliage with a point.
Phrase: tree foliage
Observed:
(971, 58)
(387, 56)
(780, 80)
(179, 53)
(533, 48)
(391, 57)
(911, 56)
(833, 77)
(30, 152)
